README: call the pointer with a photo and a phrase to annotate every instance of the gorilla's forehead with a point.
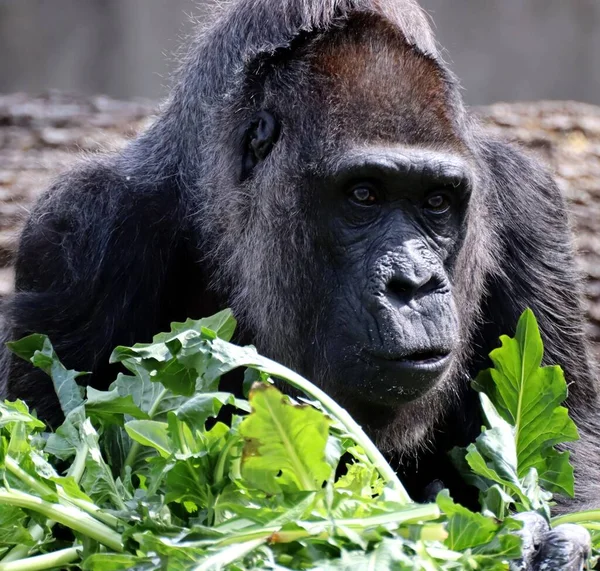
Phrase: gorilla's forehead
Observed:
(375, 86)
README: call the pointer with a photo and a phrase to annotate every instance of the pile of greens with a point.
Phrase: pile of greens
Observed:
(149, 475)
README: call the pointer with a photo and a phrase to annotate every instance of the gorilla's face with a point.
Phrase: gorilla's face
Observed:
(393, 192)
(367, 155)
(393, 227)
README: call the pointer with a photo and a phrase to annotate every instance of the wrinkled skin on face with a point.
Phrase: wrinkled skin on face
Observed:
(394, 221)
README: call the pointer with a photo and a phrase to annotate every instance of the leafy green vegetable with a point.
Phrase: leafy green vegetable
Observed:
(38, 350)
(514, 462)
(285, 444)
(528, 396)
(164, 471)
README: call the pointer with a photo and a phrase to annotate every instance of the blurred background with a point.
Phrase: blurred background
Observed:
(502, 50)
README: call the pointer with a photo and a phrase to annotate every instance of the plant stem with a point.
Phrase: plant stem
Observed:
(224, 558)
(44, 490)
(36, 531)
(322, 529)
(35, 485)
(76, 469)
(69, 516)
(578, 517)
(53, 560)
(340, 414)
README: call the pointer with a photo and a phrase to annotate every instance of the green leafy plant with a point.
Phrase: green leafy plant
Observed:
(514, 461)
(164, 470)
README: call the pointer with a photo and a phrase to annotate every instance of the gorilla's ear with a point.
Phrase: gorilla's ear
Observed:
(261, 134)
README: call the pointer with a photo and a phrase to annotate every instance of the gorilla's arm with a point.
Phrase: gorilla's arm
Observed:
(96, 263)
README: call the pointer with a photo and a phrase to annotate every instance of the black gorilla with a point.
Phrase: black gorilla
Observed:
(315, 169)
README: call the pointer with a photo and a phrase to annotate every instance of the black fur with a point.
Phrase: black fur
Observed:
(185, 222)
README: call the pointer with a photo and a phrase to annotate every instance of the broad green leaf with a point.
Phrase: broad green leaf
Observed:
(71, 488)
(181, 437)
(68, 438)
(466, 529)
(495, 501)
(150, 397)
(110, 407)
(480, 466)
(39, 351)
(151, 433)
(13, 527)
(284, 444)
(161, 362)
(180, 358)
(187, 481)
(528, 396)
(18, 411)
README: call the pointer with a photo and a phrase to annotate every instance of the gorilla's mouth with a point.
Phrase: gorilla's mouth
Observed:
(428, 360)
(426, 357)
(408, 375)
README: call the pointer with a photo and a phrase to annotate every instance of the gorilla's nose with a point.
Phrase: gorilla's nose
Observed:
(406, 286)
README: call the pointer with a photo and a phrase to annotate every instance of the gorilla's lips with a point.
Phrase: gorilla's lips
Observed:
(415, 373)
(431, 359)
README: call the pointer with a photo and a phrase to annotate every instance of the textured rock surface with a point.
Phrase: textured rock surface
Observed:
(42, 136)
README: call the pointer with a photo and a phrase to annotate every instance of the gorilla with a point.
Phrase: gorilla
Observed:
(316, 170)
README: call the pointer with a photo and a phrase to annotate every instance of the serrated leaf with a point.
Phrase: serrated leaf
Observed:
(285, 445)
(528, 396)
(180, 358)
(39, 351)
(222, 324)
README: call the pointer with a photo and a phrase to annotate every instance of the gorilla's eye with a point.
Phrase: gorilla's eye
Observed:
(363, 195)
(438, 203)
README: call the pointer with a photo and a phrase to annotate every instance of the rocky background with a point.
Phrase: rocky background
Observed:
(41, 136)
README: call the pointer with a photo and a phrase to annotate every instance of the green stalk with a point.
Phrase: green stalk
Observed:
(54, 560)
(69, 516)
(577, 517)
(44, 490)
(135, 447)
(224, 558)
(335, 410)
(219, 471)
(77, 468)
(36, 531)
(37, 486)
(321, 529)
